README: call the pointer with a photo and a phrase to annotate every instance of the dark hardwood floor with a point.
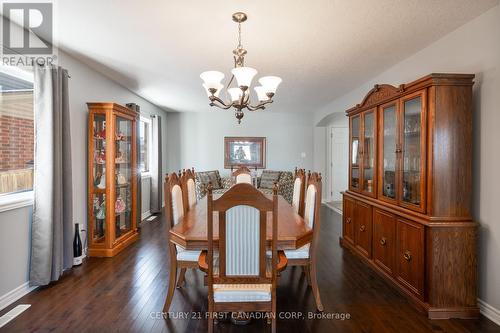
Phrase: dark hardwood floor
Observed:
(127, 292)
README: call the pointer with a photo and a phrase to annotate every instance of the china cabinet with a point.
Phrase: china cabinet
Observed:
(112, 183)
(407, 211)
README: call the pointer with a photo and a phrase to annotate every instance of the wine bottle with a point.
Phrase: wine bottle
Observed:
(77, 247)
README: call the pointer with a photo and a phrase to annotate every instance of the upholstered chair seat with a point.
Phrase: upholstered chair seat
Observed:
(242, 292)
(301, 253)
(187, 255)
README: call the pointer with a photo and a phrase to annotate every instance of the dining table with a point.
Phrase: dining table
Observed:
(191, 231)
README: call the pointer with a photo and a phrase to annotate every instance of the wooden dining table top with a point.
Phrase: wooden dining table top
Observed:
(191, 231)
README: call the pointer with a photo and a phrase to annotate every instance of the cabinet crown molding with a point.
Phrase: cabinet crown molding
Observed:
(382, 93)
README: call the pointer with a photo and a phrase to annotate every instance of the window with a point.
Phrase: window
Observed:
(145, 145)
(16, 131)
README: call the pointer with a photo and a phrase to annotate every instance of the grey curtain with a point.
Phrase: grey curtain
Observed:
(155, 169)
(52, 225)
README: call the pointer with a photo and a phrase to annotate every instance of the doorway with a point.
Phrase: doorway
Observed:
(339, 155)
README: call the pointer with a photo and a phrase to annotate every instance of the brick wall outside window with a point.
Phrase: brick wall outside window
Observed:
(17, 143)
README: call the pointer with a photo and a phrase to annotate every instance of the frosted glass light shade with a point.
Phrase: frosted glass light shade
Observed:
(212, 79)
(270, 83)
(244, 75)
(261, 93)
(216, 94)
(235, 94)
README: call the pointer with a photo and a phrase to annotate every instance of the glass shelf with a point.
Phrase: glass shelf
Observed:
(123, 169)
(369, 124)
(412, 135)
(389, 155)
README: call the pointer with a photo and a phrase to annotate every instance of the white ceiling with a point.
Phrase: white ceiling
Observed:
(321, 49)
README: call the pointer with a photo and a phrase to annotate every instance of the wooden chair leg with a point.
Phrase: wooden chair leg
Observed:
(181, 278)
(307, 272)
(273, 320)
(312, 273)
(171, 280)
(210, 324)
(210, 317)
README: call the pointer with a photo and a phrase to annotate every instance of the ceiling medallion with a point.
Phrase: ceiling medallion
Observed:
(239, 96)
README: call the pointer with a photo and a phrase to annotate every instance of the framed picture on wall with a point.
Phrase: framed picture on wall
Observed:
(245, 151)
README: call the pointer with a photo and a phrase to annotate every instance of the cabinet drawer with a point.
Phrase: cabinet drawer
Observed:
(410, 256)
(348, 217)
(384, 240)
(363, 228)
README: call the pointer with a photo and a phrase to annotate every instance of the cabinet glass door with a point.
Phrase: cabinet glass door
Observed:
(99, 179)
(123, 176)
(413, 154)
(355, 154)
(389, 158)
(368, 151)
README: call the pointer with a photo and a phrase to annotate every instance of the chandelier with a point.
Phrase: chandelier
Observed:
(239, 96)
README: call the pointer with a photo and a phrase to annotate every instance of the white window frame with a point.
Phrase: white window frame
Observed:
(147, 174)
(17, 199)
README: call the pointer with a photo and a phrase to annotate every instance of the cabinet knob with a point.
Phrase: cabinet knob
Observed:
(383, 241)
(348, 220)
(407, 255)
(362, 228)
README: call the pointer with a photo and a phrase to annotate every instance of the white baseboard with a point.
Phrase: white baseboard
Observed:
(14, 295)
(489, 312)
(335, 209)
(145, 215)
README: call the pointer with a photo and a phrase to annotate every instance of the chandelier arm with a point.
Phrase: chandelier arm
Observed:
(260, 106)
(255, 108)
(215, 98)
(221, 104)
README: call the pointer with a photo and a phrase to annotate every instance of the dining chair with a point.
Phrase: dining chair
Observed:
(243, 175)
(188, 188)
(307, 256)
(299, 186)
(240, 275)
(180, 258)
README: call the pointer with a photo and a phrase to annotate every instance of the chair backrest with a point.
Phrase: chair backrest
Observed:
(312, 208)
(242, 224)
(174, 203)
(299, 186)
(243, 175)
(188, 185)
